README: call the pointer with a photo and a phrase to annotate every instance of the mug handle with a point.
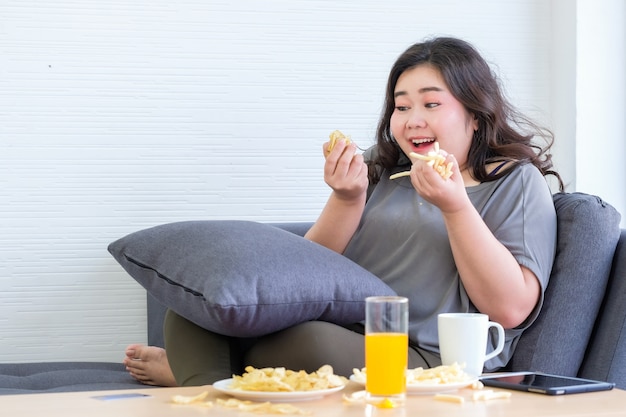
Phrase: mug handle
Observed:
(500, 346)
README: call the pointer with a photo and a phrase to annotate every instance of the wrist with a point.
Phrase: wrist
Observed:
(349, 199)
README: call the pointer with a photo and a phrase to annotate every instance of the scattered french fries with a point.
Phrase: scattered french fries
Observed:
(434, 159)
(241, 405)
(477, 395)
(262, 408)
(183, 399)
(277, 379)
(488, 395)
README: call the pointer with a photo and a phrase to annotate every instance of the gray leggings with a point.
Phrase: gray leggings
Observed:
(200, 357)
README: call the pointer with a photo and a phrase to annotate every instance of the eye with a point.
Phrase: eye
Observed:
(402, 108)
(431, 105)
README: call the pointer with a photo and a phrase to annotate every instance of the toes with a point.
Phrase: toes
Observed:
(135, 365)
(132, 351)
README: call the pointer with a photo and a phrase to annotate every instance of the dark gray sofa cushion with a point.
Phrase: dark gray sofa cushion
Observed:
(588, 231)
(243, 278)
(606, 356)
(29, 378)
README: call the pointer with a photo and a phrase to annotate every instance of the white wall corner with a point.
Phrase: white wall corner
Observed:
(563, 90)
(601, 100)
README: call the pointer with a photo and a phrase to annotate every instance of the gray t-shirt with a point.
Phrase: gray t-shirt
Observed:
(403, 240)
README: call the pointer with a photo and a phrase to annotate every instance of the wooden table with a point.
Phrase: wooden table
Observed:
(158, 403)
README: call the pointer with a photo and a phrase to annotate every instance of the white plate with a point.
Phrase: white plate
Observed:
(425, 389)
(224, 386)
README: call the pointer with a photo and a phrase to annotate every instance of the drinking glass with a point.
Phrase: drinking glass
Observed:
(386, 350)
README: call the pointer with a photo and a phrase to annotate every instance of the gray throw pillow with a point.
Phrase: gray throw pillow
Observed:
(587, 234)
(245, 279)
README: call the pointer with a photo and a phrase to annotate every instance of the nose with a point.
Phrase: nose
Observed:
(415, 119)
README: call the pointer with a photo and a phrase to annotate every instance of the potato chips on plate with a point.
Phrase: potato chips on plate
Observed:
(428, 381)
(274, 396)
(280, 384)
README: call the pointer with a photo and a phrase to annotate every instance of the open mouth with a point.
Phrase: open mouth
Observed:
(422, 144)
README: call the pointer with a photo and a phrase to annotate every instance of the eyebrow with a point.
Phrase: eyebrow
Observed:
(421, 91)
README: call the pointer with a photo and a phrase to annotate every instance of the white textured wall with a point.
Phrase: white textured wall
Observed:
(588, 96)
(120, 115)
(601, 100)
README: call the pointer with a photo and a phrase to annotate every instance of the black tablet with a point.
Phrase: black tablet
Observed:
(544, 383)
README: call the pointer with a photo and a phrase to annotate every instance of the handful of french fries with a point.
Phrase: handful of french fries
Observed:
(434, 159)
(335, 136)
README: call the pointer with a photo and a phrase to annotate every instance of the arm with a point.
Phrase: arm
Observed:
(494, 280)
(346, 173)
(497, 285)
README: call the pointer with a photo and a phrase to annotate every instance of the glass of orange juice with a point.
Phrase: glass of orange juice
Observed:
(386, 350)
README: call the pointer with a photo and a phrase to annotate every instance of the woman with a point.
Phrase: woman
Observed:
(481, 240)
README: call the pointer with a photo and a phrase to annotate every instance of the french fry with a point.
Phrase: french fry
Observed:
(450, 398)
(183, 399)
(488, 395)
(400, 174)
(477, 385)
(355, 397)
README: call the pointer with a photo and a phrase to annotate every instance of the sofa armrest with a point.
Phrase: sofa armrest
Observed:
(606, 355)
(587, 234)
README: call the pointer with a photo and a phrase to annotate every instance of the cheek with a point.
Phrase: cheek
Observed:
(396, 124)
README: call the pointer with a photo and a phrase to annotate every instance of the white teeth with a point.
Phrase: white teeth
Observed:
(418, 141)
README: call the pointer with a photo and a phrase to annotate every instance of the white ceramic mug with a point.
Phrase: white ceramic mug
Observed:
(463, 339)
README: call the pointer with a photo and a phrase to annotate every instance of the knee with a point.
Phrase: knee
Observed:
(308, 346)
(313, 337)
(327, 343)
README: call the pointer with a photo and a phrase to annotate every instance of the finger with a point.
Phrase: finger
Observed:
(338, 163)
(357, 166)
(346, 153)
(425, 179)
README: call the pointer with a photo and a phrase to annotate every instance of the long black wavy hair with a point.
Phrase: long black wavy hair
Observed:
(503, 134)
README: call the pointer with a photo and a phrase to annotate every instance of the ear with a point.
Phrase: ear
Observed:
(475, 123)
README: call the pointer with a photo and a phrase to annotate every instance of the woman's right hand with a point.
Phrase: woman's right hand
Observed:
(345, 171)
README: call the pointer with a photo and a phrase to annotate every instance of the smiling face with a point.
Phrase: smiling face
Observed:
(426, 111)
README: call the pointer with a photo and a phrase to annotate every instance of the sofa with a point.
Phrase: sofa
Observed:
(581, 330)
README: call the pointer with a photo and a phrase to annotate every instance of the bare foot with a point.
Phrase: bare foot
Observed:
(149, 365)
